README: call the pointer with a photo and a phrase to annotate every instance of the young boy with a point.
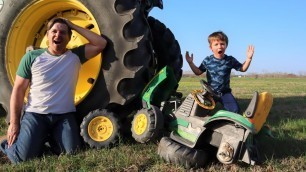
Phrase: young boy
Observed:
(218, 68)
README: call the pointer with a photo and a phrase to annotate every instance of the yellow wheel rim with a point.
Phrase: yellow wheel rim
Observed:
(140, 124)
(29, 28)
(100, 128)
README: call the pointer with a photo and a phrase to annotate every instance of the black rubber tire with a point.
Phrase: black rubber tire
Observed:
(112, 140)
(166, 47)
(127, 59)
(179, 154)
(2, 111)
(154, 121)
(9, 12)
(159, 122)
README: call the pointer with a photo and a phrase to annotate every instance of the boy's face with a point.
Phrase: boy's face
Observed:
(218, 47)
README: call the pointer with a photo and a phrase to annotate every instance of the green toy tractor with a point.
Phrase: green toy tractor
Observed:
(194, 133)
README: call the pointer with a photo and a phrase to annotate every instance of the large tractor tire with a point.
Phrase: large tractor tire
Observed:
(114, 80)
(166, 48)
(179, 154)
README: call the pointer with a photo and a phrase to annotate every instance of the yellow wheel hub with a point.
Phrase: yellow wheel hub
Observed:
(140, 124)
(100, 128)
(29, 29)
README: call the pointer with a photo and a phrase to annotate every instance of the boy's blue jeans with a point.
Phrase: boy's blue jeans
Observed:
(229, 102)
(37, 129)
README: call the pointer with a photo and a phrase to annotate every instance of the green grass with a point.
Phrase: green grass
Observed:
(285, 152)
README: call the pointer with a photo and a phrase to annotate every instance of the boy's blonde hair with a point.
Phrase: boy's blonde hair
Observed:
(219, 35)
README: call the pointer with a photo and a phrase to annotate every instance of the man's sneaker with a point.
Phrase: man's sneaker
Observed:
(3, 158)
(2, 138)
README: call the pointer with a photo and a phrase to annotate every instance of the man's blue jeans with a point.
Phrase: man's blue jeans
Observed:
(37, 129)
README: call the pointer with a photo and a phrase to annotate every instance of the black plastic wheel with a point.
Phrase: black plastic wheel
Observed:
(100, 128)
(179, 154)
(147, 125)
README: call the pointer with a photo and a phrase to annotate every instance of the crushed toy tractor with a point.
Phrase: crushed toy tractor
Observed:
(193, 131)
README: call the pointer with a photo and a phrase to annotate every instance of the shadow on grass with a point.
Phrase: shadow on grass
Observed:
(287, 111)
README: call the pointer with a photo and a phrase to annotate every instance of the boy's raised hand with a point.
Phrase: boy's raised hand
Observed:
(189, 59)
(250, 52)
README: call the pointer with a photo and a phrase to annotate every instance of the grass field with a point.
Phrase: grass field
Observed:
(285, 152)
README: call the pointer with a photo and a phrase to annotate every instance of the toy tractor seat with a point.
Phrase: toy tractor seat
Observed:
(250, 110)
(258, 109)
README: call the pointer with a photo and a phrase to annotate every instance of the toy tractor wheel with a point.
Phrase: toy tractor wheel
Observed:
(179, 154)
(100, 128)
(147, 124)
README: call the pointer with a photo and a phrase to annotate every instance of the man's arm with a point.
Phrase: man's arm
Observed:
(96, 42)
(16, 104)
(246, 64)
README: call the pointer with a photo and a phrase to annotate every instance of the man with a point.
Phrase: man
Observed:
(51, 74)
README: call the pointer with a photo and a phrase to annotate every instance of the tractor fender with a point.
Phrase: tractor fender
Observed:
(226, 116)
(232, 134)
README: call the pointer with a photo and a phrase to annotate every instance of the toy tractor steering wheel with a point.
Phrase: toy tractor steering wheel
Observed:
(207, 88)
(204, 98)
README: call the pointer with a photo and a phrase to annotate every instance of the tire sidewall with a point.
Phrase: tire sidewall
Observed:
(179, 154)
(8, 14)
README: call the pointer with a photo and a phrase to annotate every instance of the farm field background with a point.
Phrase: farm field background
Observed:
(285, 152)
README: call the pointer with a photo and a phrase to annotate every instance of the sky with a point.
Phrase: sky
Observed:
(277, 29)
